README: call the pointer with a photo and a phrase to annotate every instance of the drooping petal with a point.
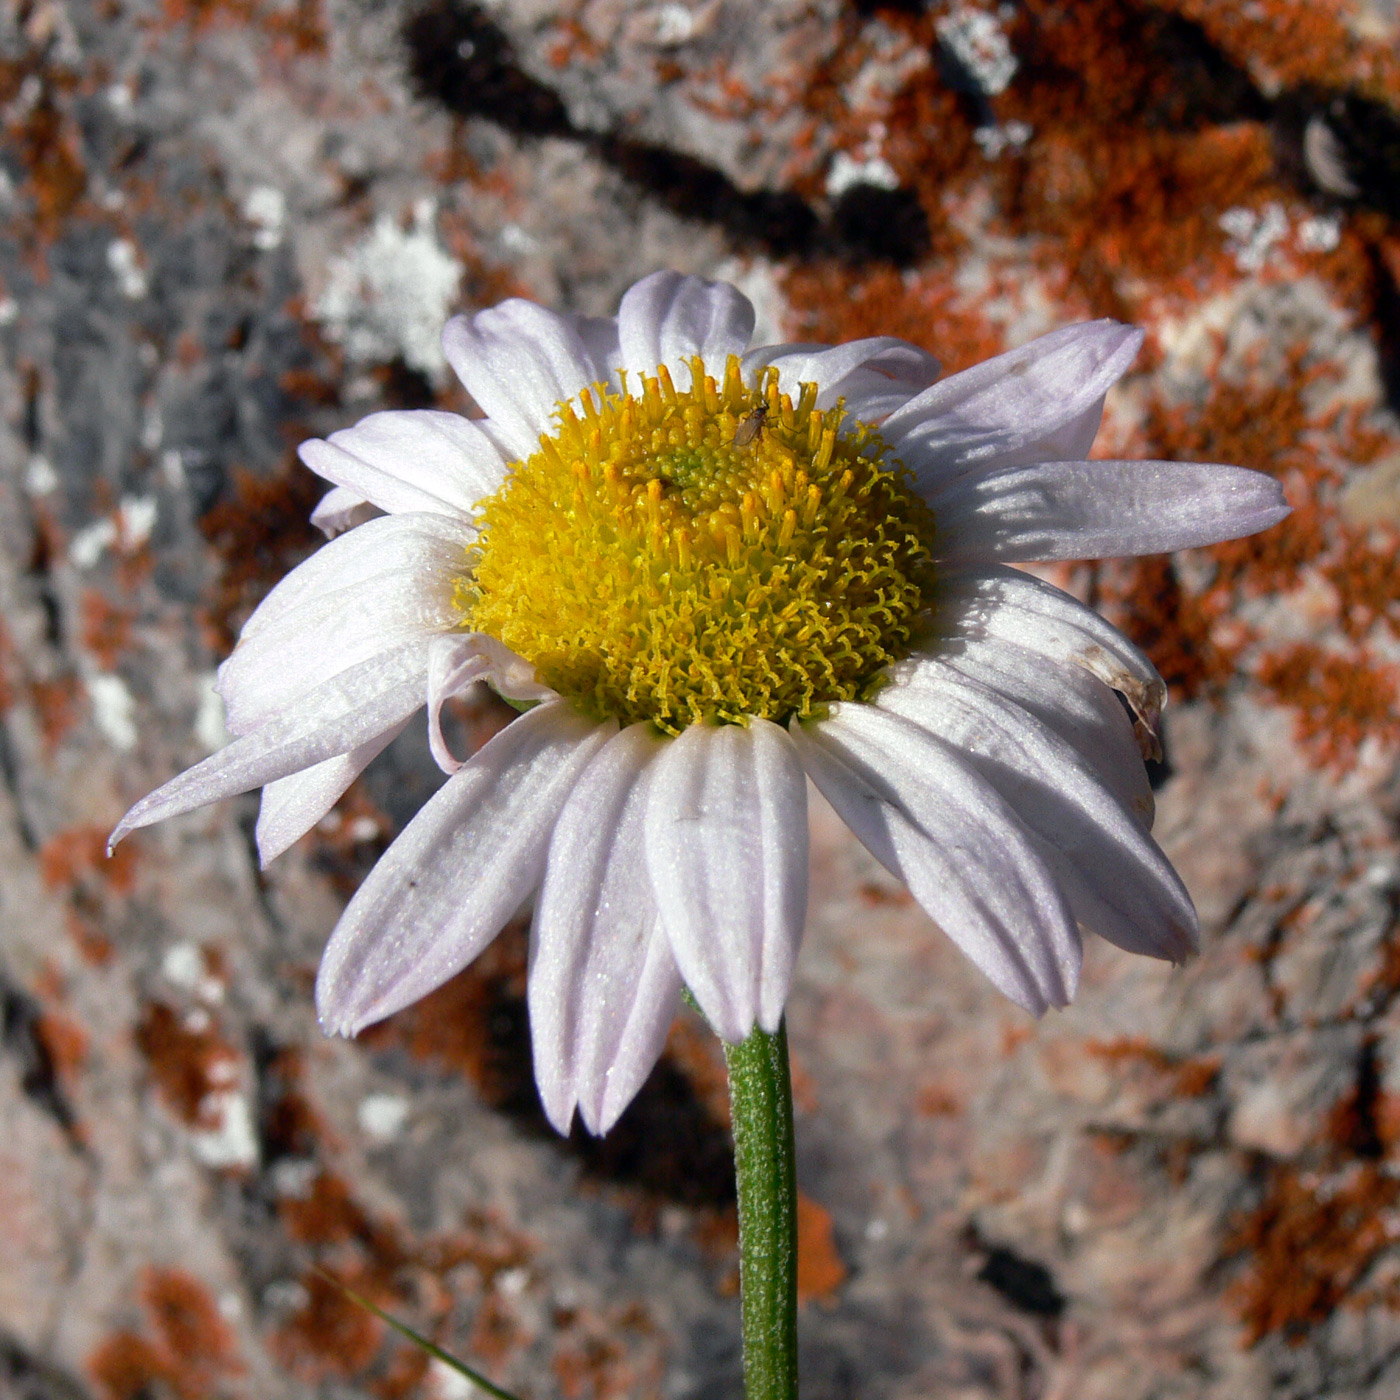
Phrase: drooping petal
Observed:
(423, 460)
(1068, 699)
(603, 985)
(339, 510)
(1039, 402)
(457, 872)
(666, 318)
(997, 603)
(518, 361)
(339, 715)
(405, 594)
(875, 376)
(726, 846)
(291, 806)
(460, 659)
(1095, 510)
(925, 814)
(1116, 878)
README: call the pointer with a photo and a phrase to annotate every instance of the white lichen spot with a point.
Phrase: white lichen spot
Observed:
(113, 710)
(846, 172)
(447, 1384)
(266, 209)
(123, 264)
(210, 720)
(172, 467)
(382, 1116)
(518, 241)
(184, 966)
(136, 518)
(39, 476)
(980, 47)
(994, 141)
(9, 307)
(87, 546)
(389, 296)
(1254, 233)
(231, 1143)
(1320, 233)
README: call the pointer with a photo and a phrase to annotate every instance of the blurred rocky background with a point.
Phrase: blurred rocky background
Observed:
(226, 225)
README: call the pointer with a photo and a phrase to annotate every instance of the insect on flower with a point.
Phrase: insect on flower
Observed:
(752, 426)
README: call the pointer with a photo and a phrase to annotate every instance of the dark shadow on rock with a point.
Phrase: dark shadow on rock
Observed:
(668, 1144)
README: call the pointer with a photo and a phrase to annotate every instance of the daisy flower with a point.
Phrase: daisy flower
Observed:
(706, 573)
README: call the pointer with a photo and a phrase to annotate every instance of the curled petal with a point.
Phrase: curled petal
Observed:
(1098, 510)
(929, 818)
(666, 318)
(339, 510)
(455, 663)
(726, 846)
(457, 872)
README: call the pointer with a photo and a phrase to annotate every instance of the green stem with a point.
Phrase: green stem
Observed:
(760, 1098)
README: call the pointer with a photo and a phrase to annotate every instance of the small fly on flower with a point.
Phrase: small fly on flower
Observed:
(751, 427)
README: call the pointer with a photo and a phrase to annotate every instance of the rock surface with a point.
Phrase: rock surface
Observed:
(231, 224)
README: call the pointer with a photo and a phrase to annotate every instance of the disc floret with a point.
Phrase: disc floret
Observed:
(651, 567)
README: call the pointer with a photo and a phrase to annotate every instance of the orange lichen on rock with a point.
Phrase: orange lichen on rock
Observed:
(191, 1355)
(106, 628)
(260, 531)
(68, 857)
(1340, 701)
(820, 1270)
(1310, 1242)
(190, 1062)
(1188, 1077)
(1292, 42)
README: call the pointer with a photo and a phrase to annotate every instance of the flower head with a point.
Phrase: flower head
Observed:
(708, 573)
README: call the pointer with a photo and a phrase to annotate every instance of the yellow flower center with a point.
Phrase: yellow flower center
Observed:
(703, 554)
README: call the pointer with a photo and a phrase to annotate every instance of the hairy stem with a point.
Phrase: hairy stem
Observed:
(760, 1096)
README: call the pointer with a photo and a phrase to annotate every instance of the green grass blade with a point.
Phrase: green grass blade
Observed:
(404, 1330)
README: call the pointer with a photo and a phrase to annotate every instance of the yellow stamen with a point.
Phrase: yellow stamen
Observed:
(652, 570)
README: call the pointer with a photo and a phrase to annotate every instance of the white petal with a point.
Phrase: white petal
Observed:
(404, 595)
(925, 814)
(666, 318)
(1096, 510)
(423, 460)
(1077, 705)
(1117, 880)
(1038, 402)
(519, 361)
(875, 376)
(339, 510)
(291, 806)
(726, 845)
(455, 663)
(603, 984)
(1003, 604)
(457, 873)
(352, 709)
